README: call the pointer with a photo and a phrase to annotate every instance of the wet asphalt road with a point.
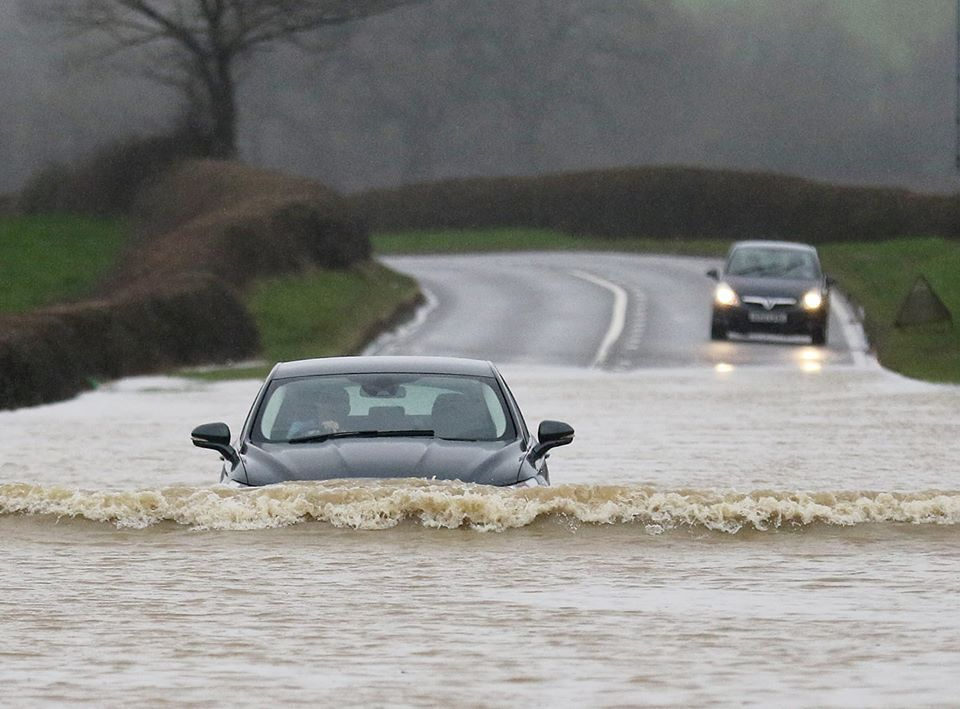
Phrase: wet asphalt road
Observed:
(606, 310)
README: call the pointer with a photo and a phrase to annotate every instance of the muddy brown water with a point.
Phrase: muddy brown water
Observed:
(764, 536)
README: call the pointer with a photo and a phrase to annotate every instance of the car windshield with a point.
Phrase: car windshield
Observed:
(319, 408)
(772, 262)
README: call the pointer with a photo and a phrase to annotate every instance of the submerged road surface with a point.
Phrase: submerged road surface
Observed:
(606, 310)
(732, 535)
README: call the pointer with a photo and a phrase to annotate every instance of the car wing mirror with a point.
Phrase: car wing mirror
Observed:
(215, 436)
(552, 434)
(831, 281)
(714, 274)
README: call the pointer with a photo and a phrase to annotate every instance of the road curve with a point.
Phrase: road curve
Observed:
(607, 310)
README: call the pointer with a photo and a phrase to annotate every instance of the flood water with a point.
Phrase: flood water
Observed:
(760, 536)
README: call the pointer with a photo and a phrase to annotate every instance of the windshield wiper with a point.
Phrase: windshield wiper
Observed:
(320, 437)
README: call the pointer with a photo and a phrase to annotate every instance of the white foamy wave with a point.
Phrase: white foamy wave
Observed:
(384, 504)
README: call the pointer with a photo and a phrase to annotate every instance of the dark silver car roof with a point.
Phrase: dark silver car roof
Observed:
(383, 364)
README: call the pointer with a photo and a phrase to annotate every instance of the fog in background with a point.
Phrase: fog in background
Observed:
(852, 91)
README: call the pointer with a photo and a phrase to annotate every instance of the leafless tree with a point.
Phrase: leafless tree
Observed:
(199, 46)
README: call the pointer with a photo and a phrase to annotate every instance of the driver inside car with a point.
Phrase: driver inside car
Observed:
(326, 412)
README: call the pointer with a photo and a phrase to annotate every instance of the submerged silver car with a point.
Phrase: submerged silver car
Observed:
(438, 418)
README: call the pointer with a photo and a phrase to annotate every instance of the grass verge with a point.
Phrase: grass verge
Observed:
(321, 313)
(51, 259)
(877, 275)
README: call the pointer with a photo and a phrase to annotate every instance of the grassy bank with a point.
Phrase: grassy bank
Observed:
(879, 276)
(321, 313)
(51, 259)
(876, 275)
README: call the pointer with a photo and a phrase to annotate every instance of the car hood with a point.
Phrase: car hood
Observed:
(771, 287)
(490, 463)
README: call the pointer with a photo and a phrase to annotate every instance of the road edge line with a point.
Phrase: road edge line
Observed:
(386, 339)
(618, 318)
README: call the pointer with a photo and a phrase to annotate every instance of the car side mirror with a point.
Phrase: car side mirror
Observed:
(215, 436)
(714, 274)
(831, 281)
(552, 434)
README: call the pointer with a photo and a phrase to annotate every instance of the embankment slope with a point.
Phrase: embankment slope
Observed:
(202, 234)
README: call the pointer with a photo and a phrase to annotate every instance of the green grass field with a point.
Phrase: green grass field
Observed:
(878, 276)
(46, 260)
(320, 313)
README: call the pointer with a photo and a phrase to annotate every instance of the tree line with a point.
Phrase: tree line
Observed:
(402, 92)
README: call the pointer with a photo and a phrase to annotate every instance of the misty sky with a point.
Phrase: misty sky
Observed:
(854, 91)
(894, 27)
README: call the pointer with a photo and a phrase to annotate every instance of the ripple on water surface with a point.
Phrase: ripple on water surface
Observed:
(712, 537)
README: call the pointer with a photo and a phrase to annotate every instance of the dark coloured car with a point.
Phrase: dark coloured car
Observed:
(772, 287)
(385, 417)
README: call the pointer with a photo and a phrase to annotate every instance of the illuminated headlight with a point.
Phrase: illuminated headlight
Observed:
(725, 295)
(812, 299)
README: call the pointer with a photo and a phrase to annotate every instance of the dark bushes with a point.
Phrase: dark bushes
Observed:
(665, 202)
(237, 223)
(56, 352)
(206, 229)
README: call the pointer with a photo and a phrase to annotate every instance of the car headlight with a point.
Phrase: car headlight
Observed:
(725, 295)
(812, 300)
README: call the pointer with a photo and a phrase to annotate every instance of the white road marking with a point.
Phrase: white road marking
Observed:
(387, 342)
(618, 317)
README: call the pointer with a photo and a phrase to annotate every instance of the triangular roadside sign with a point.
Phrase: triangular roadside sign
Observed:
(922, 305)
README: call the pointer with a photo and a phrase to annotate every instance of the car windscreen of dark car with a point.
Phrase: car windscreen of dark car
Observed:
(770, 262)
(451, 406)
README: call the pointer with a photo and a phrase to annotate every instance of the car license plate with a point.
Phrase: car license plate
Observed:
(775, 318)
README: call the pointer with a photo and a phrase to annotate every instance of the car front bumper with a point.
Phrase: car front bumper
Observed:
(782, 320)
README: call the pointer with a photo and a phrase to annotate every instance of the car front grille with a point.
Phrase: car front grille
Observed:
(768, 303)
